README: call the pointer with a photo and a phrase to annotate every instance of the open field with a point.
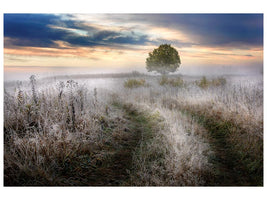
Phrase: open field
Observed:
(134, 130)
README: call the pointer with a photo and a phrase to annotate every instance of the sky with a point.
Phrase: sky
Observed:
(52, 44)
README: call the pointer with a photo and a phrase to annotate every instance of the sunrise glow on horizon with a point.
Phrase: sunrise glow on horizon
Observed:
(36, 43)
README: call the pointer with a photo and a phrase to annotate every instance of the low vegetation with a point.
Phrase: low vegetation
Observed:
(239, 153)
(205, 83)
(134, 83)
(50, 136)
(68, 133)
(174, 82)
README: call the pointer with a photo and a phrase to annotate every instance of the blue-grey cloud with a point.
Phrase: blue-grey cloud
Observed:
(38, 30)
(31, 29)
(235, 30)
(210, 29)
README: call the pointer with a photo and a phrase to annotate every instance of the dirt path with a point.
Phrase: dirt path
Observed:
(230, 168)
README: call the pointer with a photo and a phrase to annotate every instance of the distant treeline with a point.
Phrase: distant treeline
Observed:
(110, 75)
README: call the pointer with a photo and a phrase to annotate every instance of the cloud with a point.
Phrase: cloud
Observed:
(31, 30)
(178, 43)
(43, 30)
(207, 29)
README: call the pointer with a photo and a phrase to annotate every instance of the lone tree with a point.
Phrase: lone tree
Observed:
(164, 59)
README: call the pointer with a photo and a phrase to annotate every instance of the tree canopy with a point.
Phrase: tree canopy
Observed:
(164, 59)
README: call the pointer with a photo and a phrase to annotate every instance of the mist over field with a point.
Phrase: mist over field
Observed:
(133, 100)
(18, 74)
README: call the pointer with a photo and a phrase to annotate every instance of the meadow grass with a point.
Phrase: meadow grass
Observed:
(232, 114)
(70, 133)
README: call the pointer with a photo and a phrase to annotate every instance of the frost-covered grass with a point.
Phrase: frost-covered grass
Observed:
(69, 132)
(232, 114)
(233, 109)
(57, 139)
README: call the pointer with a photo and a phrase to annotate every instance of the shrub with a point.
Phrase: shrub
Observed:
(134, 83)
(205, 83)
(176, 82)
(163, 80)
